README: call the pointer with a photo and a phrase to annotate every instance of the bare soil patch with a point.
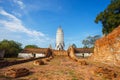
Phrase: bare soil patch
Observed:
(63, 68)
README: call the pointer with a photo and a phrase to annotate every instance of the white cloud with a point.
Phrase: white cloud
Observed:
(19, 3)
(15, 24)
(12, 28)
(16, 14)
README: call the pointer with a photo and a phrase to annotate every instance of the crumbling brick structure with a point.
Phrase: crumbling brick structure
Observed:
(107, 48)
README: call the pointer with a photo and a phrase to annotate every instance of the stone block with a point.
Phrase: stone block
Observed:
(39, 62)
(17, 72)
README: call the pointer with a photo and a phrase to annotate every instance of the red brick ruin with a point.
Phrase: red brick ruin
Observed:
(107, 48)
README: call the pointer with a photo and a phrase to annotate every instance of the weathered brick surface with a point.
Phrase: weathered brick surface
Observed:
(71, 54)
(39, 62)
(59, 52)
(17, 72)
(107, 48)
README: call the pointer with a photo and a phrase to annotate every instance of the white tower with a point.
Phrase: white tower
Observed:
(60, 39)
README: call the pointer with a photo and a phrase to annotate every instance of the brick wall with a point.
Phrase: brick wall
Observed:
(60, 52)
(107, 48)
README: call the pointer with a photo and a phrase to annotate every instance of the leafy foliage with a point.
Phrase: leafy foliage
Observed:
(90, 41)
(110, 17)
(11, 48)
(74, 45)
(31, 46)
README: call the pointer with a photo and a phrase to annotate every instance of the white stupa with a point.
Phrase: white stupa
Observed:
(60, 39)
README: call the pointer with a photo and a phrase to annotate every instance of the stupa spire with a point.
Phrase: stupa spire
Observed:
(60, 39)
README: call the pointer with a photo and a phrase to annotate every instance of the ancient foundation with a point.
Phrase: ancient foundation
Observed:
(107, 48)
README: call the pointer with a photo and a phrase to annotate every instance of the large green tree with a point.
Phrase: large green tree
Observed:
(12, 48)
(31, 46)
(110, 17)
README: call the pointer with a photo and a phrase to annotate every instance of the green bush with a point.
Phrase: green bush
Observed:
(12, 48)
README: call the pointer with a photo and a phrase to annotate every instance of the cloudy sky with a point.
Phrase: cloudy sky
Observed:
(36, 21)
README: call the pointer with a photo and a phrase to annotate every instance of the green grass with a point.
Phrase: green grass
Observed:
(72, 73)
(75, 79)
(13, 59)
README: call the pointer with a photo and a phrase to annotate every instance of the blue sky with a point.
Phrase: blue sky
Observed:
(36, 21)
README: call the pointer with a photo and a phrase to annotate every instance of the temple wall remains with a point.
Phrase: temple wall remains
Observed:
(59, 52)
(107, 48)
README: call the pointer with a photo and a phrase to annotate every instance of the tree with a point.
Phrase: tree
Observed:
(90, 41)
(74, 45)
(31, 46)
(110, 17)
(85, 42)
(11, 48)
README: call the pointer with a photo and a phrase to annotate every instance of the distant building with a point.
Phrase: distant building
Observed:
(60, 39)
(35, 52)
(83, 52)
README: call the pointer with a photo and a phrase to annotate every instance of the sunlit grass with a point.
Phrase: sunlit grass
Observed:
(13, 59)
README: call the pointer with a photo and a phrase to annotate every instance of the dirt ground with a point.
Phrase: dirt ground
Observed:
(63, 68)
